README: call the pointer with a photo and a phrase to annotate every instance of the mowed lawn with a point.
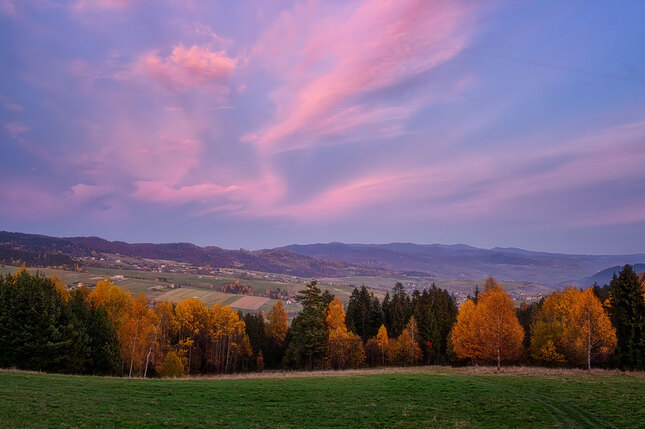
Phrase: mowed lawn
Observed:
(441, 398)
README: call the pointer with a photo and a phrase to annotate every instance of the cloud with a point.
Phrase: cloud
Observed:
(16, 129)
(84, 5)
(332, 62)
(7, 7)
(161, 192)
(495, 183)
(186, 68)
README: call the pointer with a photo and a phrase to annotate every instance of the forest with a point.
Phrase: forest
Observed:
(108, 331)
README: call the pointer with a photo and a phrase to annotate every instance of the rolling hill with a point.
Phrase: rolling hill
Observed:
(440, 261)
(270, 260)
(604, 277)
(466, 262)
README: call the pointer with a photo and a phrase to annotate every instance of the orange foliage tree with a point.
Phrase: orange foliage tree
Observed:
(167, 333)
(345, 348)
(277, 327)
(404, 350)
(464, 336)
(193, 317)
(382, 342)
(115, 300)
(228, 339)
(549, 342)
(590, 332)
(488, 330)
(572, 326)
(136, 334)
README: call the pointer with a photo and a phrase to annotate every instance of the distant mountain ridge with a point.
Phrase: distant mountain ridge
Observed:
(457, 261)
(604, 277)
(461, 261)
(270, 260)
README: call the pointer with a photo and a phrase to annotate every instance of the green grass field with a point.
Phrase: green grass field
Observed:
(424, 397)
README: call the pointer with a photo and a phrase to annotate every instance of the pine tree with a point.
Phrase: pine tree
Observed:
(308, 344)
(104, 344)
(397, 310)
(364, 314)
(627, 314)
(31, 323)
(77, 318)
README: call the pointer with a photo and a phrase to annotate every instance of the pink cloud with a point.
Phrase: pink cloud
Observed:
(14, 107)
(485, 185)
(192, 67)
(167, 193)
(329, 62)
(83, 5)
(16, 129)
(7, 7)
(29, 200)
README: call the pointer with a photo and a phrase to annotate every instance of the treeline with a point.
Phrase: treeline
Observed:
(108, 331)
(12, 256)
(598, 325)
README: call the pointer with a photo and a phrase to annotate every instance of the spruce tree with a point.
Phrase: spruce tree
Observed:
(104, 344)
(77, 317)
(364, 315)
(627, 313)
(308, 330)
(31, 323)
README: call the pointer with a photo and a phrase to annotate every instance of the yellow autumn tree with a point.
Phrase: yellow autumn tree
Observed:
(488, 330)
(61, 288)
(172, 366)
(590, 332)
(335, 315)
(382, 342)
(549, 344)
(405, 350)
(345, 348)
(115, 300)
(464, 336)
(277, 327)
(500, 332)
(193, 318)
(227, 338)
(167, 333)
(136, 334)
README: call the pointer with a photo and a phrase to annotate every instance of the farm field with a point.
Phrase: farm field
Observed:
(413, 397)
(200, 286)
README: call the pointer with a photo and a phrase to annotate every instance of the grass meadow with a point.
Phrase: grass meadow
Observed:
(413, 397)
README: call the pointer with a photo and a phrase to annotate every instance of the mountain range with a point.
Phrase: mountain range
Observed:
(442, 261)
(461, 261)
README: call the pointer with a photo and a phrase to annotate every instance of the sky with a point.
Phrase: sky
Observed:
(256, 124)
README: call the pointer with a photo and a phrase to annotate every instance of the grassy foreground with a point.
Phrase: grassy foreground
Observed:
(423, 397)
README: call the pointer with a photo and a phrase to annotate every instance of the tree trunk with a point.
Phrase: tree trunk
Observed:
(145, 371)
(589, 348)
(134, 345)
(499, 360)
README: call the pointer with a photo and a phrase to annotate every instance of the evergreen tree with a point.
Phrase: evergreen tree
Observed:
(309, 330)
(435, 311)
(77, 317)
(627, 314)
(397, 310)
(255, 329)
(364, 315)
(104, 344)
(31, 318)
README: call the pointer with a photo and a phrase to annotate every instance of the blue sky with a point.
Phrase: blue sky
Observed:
(259, 124)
